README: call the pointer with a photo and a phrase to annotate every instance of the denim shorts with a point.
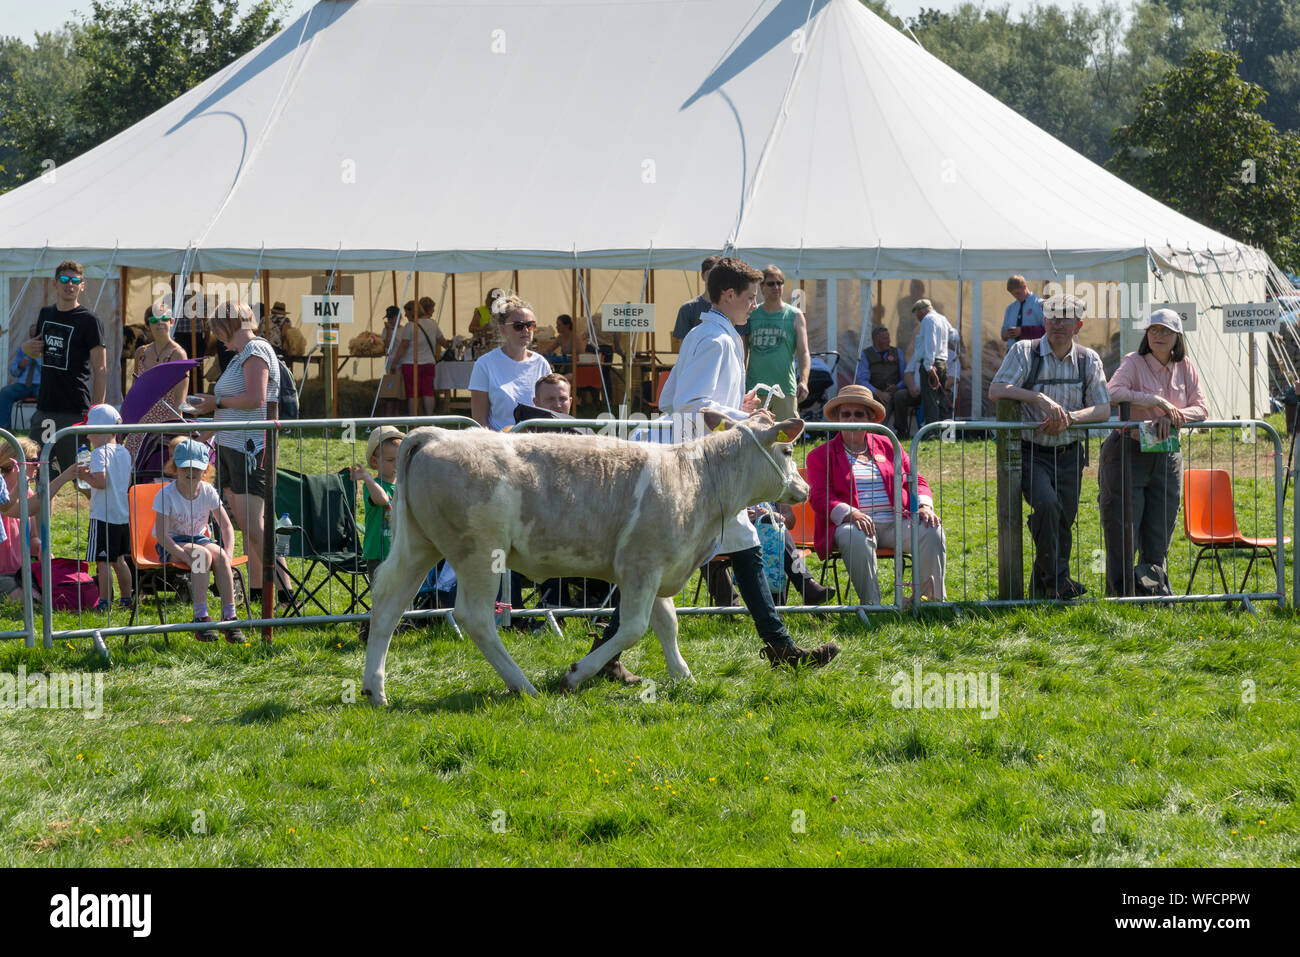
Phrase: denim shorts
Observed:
(164, 558)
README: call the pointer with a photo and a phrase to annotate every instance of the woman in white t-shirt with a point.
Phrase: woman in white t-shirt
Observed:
(505, 377)
(251, 380)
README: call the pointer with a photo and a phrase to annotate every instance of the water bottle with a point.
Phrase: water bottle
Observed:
(282, 536)
(83, 458)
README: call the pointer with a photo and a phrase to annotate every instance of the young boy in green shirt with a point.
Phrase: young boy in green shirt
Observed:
(381, 454)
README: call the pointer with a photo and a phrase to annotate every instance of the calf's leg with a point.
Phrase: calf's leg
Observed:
(663, 620)
(396, 581)
(475, 594)
(634, 617)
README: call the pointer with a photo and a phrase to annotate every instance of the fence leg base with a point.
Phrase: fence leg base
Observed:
(863, 616)
(451, 617)
(555, 625)
(102, 648)
(1245, 604)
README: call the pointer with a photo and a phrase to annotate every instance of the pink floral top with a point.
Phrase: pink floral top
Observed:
(1140, 380)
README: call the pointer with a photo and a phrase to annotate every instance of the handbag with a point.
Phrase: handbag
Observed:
(392, 386)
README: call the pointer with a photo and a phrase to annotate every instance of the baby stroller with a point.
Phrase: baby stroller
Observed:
(146, 401)
(821, 379)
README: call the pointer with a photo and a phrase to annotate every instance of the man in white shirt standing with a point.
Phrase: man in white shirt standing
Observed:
(932, 360)
(710, 374)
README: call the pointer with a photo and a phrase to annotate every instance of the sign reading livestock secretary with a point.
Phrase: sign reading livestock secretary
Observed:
(328, 309)
(627, 317)
(1186, 312)
(1251, 317)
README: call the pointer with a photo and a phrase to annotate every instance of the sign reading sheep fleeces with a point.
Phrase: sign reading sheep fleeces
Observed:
(1251, 317)
(627, 317)
(331, 310)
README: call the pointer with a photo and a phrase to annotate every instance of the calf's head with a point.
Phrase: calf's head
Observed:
(778, 475)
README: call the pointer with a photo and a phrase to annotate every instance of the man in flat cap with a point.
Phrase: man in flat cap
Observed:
(1058, 384)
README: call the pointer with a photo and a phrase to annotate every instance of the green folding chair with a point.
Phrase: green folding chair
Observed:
(322, 533)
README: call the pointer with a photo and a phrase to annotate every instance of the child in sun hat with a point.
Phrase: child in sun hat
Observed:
(183, 510)
(108, 539)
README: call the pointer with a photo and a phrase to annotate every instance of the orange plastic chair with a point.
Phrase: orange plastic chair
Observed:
(140, 499)
(1210, 521)
(659, 387)
(802, 533)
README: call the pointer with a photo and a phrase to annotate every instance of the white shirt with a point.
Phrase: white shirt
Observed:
(186, 516)
(932, 340)
(108, 504)
(710, 370)
(232, 383)
(507, 383)
(710, 374)
(429, 336)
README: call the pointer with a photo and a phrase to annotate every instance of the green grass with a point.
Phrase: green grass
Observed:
(1124, 736)
(1137, 714)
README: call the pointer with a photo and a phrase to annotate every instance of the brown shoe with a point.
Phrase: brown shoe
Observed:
(788, 653)
(614, 669)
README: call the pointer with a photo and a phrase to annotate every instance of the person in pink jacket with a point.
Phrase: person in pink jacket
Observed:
(851, 491)
(1146, 465)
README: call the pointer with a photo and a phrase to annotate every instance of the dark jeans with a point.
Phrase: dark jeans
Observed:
(719, 582)
(572, 592)
(1050, 480)
(935, 402)
(747, 567)
(1153, 481)
(899, 410)
(65, 450)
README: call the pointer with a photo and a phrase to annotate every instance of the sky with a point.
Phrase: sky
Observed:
(23, 18)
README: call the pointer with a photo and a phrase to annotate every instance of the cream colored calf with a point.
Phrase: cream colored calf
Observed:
(642, 515)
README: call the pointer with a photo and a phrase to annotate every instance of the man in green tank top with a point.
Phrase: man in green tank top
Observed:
(778, 347)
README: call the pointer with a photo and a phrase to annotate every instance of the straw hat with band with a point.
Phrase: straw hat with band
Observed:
(856, 394)
(379, 437)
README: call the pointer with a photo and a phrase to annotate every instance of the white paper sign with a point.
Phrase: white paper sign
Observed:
(331, 310)
(1186, 312)
(1243, 317)
(627, 317)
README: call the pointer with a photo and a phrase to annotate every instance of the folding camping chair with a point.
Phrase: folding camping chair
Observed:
(323, 533)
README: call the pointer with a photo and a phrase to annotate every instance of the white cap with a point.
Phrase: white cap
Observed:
(1167, 318)
(103, 414)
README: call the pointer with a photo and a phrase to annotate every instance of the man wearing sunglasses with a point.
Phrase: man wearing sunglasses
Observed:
(69, 342)
(778, 342)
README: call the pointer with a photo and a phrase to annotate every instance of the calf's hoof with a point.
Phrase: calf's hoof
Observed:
(570, 682)
(615, 671)
(377, 700)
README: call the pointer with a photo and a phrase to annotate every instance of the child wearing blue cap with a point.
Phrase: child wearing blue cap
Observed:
(184, 507)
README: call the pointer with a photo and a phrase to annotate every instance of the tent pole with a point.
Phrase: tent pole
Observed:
(121, 296)
(266, 299)
(453, 307)
(976, 350)
(833, 323)
(415, 341)
(194, 327)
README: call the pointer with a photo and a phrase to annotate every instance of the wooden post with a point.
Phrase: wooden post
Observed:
(415, 343)
(122, 290)
(1250, 344)
(270, 578)
(1011, 569)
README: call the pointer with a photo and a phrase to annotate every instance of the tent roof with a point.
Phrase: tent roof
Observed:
(464, 135)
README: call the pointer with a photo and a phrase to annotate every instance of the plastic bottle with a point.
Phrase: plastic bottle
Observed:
(282, 537)
(83, 458)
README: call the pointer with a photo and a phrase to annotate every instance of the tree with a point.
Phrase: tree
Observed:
(1197, 143)
(38, 87)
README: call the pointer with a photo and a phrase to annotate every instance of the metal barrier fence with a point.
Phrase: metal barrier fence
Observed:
(948, 431)
(19, 473)
(641, 429)
(626, 428)
(346, 428)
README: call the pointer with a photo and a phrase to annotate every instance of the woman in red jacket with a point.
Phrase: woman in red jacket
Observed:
(851, 490)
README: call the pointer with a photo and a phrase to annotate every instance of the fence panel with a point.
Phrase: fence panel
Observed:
(16, 487)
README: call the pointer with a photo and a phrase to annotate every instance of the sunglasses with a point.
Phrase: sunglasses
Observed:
(521, 326)
(153, 319)
(75, 280)
(855, 414)
(774, 282)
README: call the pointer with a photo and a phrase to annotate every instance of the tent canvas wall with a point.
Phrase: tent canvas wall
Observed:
(803, 132)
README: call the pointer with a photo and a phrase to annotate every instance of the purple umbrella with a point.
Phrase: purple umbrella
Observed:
(145, 395)
(151, 385)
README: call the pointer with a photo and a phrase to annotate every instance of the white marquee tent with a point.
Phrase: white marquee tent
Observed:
(450, 136)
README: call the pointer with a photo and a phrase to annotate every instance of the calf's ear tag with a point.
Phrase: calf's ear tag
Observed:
(782, 437)
(720, 427)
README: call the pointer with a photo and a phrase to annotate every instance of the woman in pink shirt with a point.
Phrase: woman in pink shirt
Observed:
(1162, 387)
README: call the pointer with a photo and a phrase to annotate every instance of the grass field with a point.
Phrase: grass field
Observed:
(1122, 736)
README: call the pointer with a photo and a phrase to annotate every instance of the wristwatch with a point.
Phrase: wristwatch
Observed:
(216, 402)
